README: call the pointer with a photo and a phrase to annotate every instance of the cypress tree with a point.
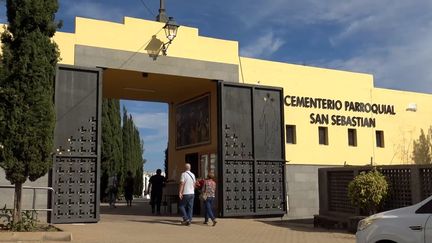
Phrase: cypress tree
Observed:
(126, 147)
(112, 146)
(118, 138)
(133, 148)
(138, 187)
(138, 161)
(166, 161)
(139, 165)
(27, 116)
(106, 151)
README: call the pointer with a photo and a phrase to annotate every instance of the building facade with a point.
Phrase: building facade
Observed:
(301, 117)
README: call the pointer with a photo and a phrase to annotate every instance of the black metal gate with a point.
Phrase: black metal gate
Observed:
(251, 150)
(74, 175)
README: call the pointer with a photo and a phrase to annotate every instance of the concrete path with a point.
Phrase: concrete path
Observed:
(136, 224)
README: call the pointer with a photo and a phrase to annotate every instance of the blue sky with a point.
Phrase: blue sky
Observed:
(151, 118)
(390, 39)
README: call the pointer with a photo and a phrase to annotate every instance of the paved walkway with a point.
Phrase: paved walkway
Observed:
(136, 224)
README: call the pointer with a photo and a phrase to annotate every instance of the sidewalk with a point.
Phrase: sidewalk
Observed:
(136, 224)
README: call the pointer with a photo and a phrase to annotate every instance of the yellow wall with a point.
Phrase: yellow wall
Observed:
(399, 130)
(135, 34)
(405, 127)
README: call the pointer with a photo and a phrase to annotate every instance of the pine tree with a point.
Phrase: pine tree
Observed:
(422, 148)
(27, 116)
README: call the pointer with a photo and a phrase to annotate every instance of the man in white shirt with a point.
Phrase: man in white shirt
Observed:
(187, 194)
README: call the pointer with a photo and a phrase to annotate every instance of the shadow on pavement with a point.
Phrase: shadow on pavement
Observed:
(140, 207)
(167, 222)
(302, 225)
(159, 221)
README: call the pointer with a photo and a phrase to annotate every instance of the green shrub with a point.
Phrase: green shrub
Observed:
(368, 190)
(28, 221)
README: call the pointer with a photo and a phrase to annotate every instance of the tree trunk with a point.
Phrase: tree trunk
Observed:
(17, 215)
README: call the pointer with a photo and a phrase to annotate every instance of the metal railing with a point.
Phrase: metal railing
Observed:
(34, 188)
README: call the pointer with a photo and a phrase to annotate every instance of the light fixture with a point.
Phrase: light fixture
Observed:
(170, 29)
(140, 90)
(162, 17)
(412, 107)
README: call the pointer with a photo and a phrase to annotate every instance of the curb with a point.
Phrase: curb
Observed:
(35, 236)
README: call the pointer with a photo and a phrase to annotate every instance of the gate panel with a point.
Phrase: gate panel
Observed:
(251, 150)
(76, 165)
(239, 189)
(237, 123)
(270, 186)
(267, 118)
(238, 177)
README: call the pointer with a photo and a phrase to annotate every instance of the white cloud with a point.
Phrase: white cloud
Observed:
(264, 46)
(394, 45)
(405, 67)
(390, 39)
(309, 11)
(156, 125)
(156, 121)
(155, 147)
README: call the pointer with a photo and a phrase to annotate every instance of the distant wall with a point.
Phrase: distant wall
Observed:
(7, 195)
(302, 190)
(408, 185)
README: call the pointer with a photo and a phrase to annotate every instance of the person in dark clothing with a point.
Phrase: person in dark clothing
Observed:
(156, 184)
(129, 188)
(112, 190)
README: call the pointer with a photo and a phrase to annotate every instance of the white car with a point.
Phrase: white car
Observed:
(411, 224)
